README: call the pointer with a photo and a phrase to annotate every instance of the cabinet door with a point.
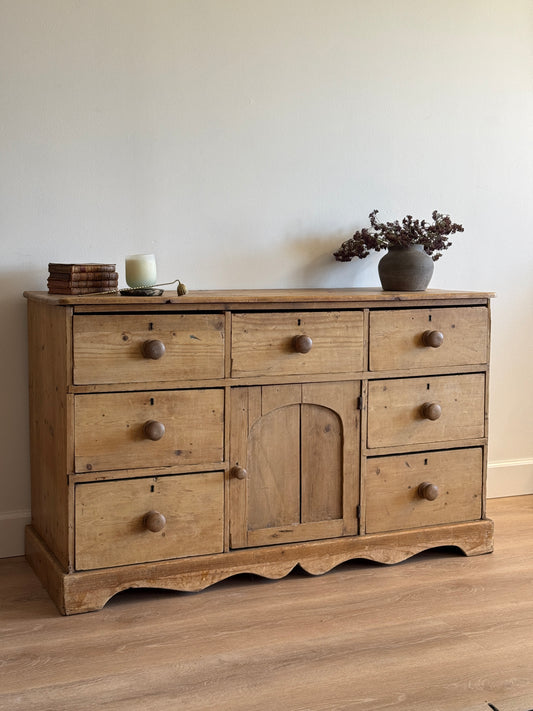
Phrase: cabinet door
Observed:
(295, 463)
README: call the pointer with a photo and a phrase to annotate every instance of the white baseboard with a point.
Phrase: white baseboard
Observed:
(12, 524)
(508, 478)
(513, 477)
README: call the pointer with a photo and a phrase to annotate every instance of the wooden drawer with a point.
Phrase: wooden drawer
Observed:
(267, 343)
(111, 430)
(112, 528)
(396, 489)
(397, 412)
(402, 339)
(127, 348)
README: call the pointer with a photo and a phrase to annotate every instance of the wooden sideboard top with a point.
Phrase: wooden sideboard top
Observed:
(234, 297)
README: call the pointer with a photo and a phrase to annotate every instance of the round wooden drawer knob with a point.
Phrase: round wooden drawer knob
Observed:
(154, 521)
(302, 344)
(431, 410)
(153, 349)
(154, 430)
(428, 491)
(432, 339)
(239, 473)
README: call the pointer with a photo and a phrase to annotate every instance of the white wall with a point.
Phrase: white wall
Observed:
(242, 140)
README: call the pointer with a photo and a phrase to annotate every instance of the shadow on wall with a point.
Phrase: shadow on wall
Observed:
(14, 429)
(318, 267)
(271, 266)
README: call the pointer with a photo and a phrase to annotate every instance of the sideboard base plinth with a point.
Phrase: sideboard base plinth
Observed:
(88, 591)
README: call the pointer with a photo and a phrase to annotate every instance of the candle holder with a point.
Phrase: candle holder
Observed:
(154, 290)
(141, 291)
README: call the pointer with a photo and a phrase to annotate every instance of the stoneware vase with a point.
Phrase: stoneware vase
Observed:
(405, 269)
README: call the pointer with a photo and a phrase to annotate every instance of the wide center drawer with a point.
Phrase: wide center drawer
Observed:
(140, 520)
(428, 338)
(148, 429)
(296, 343)
(412, 490)
(407, 411)
(140, 348)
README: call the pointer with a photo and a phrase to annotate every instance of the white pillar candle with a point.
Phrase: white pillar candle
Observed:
(141, 270)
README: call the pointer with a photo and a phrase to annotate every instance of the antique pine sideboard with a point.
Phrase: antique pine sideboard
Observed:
(179, 440)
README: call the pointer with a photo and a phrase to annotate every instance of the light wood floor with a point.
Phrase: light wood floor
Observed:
(439, 632)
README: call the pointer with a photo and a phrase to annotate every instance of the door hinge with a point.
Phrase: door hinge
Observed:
(358, 511)
(359, 405)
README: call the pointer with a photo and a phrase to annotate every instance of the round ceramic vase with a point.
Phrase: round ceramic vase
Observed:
(405, 269)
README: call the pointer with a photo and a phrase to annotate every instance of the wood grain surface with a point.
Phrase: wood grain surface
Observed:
(262, 343)
(261, 296)
(396, 337)
(110, 429)
(302, 467)
(392, 486)
(110, 519)
(109, 349)
(395, 410)
(440, 632)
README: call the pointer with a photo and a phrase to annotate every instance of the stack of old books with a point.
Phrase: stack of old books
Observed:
(81, 278)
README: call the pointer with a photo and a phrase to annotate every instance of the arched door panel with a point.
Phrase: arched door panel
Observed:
(298, 447)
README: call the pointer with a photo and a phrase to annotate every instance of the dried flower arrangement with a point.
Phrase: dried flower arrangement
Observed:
(433, 236)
